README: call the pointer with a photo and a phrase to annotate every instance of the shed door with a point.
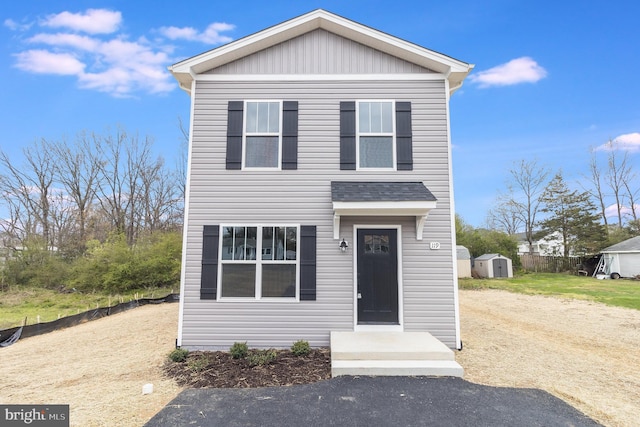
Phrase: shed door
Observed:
(377, 276)
(500, 268)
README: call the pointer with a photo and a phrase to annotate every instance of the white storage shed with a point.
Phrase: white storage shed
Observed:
(464, 261)
(493, 265)
(622, 259)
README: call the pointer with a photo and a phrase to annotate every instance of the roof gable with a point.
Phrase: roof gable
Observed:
(319, 52)
(454, 70)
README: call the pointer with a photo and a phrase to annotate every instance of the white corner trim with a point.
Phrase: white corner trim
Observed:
(336, 226)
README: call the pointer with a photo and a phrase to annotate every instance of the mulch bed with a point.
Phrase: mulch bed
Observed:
(217, 369)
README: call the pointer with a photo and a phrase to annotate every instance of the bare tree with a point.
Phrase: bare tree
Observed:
(597, 192)
(628, 182)
(77, 168)
(181, 165)
(29, 186)
(528, 183)
(617, 173)
(134, 188)
(505, 215)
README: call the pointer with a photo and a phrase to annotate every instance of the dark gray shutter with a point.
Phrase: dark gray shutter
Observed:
(290, 135)
(347, 135)
(209, 274)
(234, 134)
(404, 138)
(307, 262)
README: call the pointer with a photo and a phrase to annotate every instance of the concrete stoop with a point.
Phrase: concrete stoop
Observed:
(391, 354)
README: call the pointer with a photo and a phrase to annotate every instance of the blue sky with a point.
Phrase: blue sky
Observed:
(551, 80)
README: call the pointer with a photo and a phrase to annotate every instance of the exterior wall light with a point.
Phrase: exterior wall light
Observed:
(344, 245)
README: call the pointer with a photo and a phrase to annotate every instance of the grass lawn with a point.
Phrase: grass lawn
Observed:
(620, 293)
(19, 302)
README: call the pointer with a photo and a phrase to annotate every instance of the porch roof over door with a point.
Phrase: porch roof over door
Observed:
(374, 198)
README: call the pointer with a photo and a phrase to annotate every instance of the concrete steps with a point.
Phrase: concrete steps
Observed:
(392, 354)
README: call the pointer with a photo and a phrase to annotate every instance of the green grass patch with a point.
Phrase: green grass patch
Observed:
(619, 293)
(18, 302)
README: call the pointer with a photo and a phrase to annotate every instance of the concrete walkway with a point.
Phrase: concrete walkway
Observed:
(371, 401)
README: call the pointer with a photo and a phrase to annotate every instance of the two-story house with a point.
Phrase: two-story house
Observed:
(319, 192)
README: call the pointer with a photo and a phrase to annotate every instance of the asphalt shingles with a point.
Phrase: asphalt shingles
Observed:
(370, 191)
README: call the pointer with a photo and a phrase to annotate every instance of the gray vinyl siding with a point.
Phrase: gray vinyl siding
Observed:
(303, 196)
(319, 52)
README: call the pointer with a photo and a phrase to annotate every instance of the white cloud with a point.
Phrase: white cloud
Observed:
(45, 62)
(211, 35)
(102, 58)
(15, 26)
(628, 142)
(612, 211)
(93, 21)
(62, 39)
(516, 71)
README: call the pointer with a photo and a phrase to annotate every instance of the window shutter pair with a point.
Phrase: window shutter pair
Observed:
(404, 136)
(289, 134)
(209, 272)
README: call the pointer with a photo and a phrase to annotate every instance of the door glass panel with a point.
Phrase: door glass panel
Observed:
(376, 243)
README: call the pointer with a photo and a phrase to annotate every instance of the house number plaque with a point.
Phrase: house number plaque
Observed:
(434, 245)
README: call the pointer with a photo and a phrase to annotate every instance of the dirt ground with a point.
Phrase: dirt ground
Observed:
(585, 353)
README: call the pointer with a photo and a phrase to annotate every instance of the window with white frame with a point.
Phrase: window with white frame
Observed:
(259, 262)
(376, 135)
(262, 135)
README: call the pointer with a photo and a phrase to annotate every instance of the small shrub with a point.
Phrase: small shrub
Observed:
(198, 364)
(262, 357)
(179, 355)
(239, 350)
(300, 348)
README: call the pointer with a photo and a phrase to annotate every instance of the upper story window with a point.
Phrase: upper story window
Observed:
(376, 135)
(262, 134)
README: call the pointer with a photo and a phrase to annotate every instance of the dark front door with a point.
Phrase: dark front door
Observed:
(377, 276)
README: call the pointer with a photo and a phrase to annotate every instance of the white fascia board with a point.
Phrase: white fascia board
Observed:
(319, 77)
(419, 209)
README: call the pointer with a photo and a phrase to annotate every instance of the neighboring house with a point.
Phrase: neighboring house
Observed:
(319, 192)
(544, 245)
(621, 259)
(493, 265)
(464, 261)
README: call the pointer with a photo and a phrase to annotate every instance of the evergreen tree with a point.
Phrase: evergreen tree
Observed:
(574, 216)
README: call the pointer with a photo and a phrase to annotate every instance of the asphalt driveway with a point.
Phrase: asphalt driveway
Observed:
(371, 401)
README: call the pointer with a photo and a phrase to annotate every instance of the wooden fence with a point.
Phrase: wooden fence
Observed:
(549, 264)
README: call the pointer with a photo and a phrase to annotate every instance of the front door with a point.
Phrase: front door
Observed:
(377, 291)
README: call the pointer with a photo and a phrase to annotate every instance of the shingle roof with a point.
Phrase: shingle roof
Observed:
(358, 191)
(630, 245)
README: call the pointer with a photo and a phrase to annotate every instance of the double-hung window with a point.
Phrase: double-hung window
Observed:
(376, 135)
(259, 262)
(262, 134)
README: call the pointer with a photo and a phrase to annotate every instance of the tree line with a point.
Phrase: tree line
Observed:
(540, 203)
(61, 200)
